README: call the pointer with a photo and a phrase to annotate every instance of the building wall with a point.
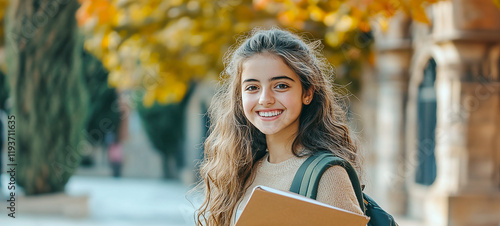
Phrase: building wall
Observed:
(464, 40)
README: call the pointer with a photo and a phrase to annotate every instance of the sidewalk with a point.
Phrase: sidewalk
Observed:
(124, 201)
(117, 201)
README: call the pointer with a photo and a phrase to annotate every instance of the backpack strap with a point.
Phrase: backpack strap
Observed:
(306, 180)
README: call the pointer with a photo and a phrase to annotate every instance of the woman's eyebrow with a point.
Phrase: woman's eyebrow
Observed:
(281, 77)
(271, 79)
(250, 80)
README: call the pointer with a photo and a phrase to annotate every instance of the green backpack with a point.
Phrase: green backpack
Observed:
(307, 178)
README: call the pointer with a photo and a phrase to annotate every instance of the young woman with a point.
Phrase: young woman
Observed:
(275, 108)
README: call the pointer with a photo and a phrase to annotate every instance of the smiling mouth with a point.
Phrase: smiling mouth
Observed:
(269, 114)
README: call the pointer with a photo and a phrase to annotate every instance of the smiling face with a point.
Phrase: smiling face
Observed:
(272, 95)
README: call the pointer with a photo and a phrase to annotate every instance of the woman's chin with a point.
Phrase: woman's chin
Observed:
(268, 131)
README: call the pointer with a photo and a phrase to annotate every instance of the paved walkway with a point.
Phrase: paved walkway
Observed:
(121, 201)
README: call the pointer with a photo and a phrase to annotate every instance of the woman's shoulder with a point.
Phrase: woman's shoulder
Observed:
(335, 188)
(336, 174)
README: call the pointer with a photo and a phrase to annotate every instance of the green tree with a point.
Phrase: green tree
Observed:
(164, 125)
(4, 90)
(104, 111)
(103, 107)
(49, 97)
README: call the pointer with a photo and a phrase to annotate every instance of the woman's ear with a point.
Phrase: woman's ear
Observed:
(308, 96)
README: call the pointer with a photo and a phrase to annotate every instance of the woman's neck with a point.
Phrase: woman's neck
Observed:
(280, 147)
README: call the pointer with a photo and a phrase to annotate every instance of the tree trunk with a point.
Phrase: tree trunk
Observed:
(49, 98)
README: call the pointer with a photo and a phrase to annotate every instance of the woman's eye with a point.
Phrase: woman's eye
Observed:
(251, 88)
(282, 86)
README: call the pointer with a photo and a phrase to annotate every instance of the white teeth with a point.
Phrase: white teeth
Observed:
(270, 114)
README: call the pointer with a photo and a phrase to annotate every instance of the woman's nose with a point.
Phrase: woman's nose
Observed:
(266, 97)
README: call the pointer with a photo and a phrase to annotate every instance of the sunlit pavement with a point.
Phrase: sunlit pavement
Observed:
(124, 201)
(121, 201)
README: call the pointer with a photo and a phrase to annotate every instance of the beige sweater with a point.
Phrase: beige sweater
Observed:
(334, 189)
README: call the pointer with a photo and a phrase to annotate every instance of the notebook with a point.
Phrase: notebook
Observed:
(269, 206)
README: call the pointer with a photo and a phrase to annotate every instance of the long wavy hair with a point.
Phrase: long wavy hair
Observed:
(234, 144)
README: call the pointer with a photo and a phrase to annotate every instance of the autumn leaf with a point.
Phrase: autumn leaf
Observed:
(497, 3)
(418, 11)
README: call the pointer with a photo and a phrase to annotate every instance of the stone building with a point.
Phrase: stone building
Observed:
(430, 108)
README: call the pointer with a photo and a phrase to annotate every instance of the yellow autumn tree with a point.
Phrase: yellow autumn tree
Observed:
(160, 46)
(3, 6)
(341, 17)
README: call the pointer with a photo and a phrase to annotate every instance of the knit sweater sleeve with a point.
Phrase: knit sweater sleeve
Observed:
(335, 189)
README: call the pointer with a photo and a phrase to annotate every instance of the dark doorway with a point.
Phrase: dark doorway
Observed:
(427, 106)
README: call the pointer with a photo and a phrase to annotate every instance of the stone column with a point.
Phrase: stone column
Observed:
(393, 54)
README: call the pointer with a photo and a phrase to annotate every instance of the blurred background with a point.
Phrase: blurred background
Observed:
(110, 96)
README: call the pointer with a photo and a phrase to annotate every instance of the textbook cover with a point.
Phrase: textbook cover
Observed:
(269, 206)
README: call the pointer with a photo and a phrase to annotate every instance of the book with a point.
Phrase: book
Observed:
(269, 206)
